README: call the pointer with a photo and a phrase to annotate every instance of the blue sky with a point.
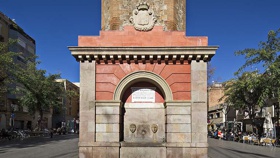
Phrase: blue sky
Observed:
(56, 24)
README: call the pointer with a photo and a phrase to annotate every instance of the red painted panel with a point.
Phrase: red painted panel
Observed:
(110, 78)
(182, 96)
(177, 33)
(105, 87)
(119, 73)
(126, 68)
(178, 78)
(104, 96)
(150, 67)
(130, 37)
(177, 69)
(106, 68)
(181, 87)
(134, 67)
(142, 66)
(158, 68)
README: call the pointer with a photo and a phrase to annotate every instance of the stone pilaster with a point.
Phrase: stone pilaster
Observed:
(199, 101)
(178, 122)
(87, 102)
(108, 121)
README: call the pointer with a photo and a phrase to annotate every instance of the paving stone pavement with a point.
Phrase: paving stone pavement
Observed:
(229, 149)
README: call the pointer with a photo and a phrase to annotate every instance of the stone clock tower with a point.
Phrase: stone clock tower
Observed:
(170, 14)
(143, 83)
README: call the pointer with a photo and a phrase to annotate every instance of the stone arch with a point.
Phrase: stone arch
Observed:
(143, 76)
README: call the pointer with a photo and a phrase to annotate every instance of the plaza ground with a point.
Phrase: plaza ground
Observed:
(66, 146)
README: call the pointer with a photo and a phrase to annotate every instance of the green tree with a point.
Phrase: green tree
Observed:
(266, 55)
(253, 89)
(38, 92)
(243, 93)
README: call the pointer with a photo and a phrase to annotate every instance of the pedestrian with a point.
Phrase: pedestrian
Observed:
(216, 134)
(63, 127)
(51, 133)
(220, 134)
(77, 126)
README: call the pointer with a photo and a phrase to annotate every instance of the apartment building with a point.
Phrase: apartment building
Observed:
(219, 114)
(69, 110)
(11, 113)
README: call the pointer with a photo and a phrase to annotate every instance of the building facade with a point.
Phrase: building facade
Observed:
(219, 114)
(11, 113)
(143, 83)
(271, 107)
(69, 110)
(222, 116)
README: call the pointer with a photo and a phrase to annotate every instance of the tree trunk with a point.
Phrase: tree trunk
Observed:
(41, 113)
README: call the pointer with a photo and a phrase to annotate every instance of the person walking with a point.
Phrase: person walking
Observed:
(51, 133)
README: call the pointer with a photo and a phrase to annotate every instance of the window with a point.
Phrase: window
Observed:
(21, 59)
(21, 42)
(31, 49)
(0, 29)
(217, 115)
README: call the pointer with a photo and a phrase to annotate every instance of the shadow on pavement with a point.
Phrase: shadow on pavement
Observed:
(249, 153)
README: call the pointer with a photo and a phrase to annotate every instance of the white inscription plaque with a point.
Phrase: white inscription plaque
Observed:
(143, 94)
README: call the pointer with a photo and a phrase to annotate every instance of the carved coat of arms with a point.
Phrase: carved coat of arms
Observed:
(143, 18)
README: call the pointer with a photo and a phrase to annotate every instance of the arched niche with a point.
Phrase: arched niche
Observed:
(146, 117)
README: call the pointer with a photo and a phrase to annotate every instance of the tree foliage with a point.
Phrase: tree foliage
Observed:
(244, 93)
(34, 89)
(252, 89)
(268, 56)
(39, 92)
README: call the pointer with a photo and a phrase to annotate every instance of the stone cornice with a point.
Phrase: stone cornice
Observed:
(143, 54)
